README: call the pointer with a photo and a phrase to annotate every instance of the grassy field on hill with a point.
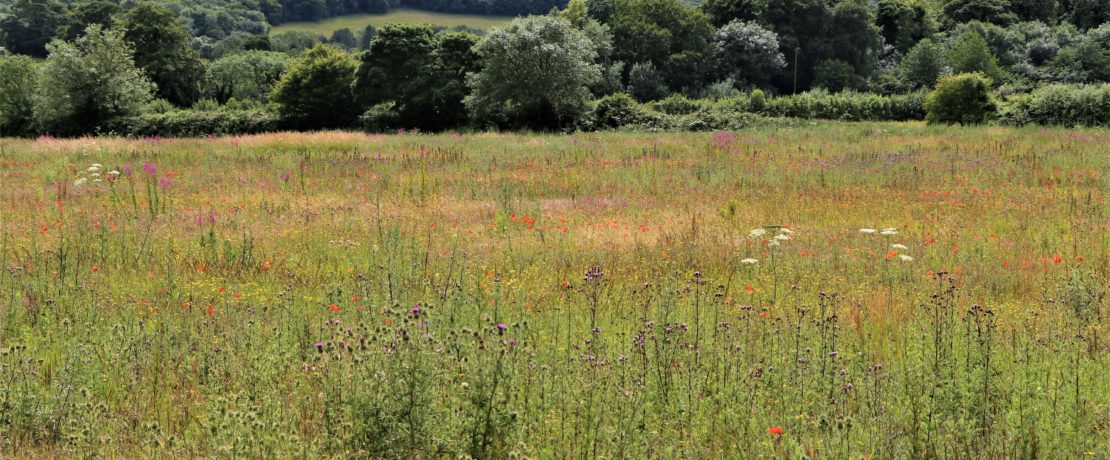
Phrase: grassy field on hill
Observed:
(357, 22)
(832, 290)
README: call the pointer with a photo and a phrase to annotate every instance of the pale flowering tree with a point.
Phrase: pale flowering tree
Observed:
(747, 52)
(537, 73)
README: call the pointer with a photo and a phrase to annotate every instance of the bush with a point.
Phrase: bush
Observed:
(963, 99)
(677, 104)
(618, 110)
(192, 123)
(846, 106)
(1064, 105)
(380, 117)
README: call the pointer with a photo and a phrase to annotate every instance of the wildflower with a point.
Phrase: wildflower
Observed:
(80, 182)
(759, 232)
(905, 258)
(93, 169)
(319, 346)
(502, 326)
(867, 230)
(113, 174)
(889, 231)
(899, 246)
(749, 261)
(415, 310)
(150, 168)
(786, 231)
(775, 430)
(781, 238)
(890, 255)
(1057, 259)
(286, 176)
(334, 308)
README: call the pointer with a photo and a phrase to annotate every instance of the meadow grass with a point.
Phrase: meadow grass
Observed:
(357, 22)
(615, 295)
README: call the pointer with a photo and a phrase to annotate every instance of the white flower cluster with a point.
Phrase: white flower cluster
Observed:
(92, 175)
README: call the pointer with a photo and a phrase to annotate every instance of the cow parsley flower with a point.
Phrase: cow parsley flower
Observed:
(759, 232)
(889, 231)
(905, 258)
(749, 261)
(899, 246)
(867, 230)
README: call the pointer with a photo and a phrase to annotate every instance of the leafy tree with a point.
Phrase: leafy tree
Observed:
(902, 24)
(249, 75)
(600, 10)
(344, 38)
(536, 74)
(722, 12)
(577, 13)
(1086, 14)
(295, 42)
(315, 92)
(836, 75)
(963, 99)
(30, 24)
(852, 37)
(453, 59)
(645, 83)
(367, 37)
(18, 77)
(85, 14)
(162, 50)
(666, 33)
(969, 53)
(748, 53)
(394, 69)
(90, 81)
(1035, 10)
(923, 64)
(992, 11)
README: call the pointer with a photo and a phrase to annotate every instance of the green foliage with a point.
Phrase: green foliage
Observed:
(923, 65)
(18, 79)
(964, 98)
(245, 76)
(677, 104)
(1064, 105)
(536, 73)
(722, 12)
(902, 24)
(617, 110)
(836, 75)
(28, 25)
(194, 123)
(90, 81)
(295, 42)
(162, 50)
(991, 11)
(84, 15)
(969, 54)
(315, 92)
(845, 106)
(646, 83)
(344, 38)
(747, 53)
(672, 37)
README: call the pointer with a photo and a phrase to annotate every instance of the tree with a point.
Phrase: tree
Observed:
(852, 37)
(315, 92)
(722, 12)
(963, 99)
(394, 69)
(969, 53)
(29, 25)
(902, 24)
(18, 77)
(536, 74)
(90, 81)
(671, 36)
(922, 65)
(162, 50)
(992, 11)
(367, 37)
(86, 14)
(453, 59)
(645, 83)
(836, 75)
(748, 53)
(344, 38)
(250, 75)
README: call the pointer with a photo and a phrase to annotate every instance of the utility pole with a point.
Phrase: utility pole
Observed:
(796, 50)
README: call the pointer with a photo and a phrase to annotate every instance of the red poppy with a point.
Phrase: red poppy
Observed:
(775, 430)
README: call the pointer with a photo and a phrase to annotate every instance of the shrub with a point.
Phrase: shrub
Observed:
(677, 104)
(847, 106)
(380, 117)
(193, 123)
(758, 101)
(963, 99)
(1064, 105)
(618, 110)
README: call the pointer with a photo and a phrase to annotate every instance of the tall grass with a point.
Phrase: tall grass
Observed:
(494, 295)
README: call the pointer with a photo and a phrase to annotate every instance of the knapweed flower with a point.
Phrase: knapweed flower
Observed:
(502, 326)
(759, 232)
(749, 261)
(905, 258)
(898, 246)
(415, 310)
(775, 430)
(867, 230)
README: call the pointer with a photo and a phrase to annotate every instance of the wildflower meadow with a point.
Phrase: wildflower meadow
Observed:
(823, 290)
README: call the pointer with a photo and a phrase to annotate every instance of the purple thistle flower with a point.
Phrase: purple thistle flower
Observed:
(415, 310)
(502, 326)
